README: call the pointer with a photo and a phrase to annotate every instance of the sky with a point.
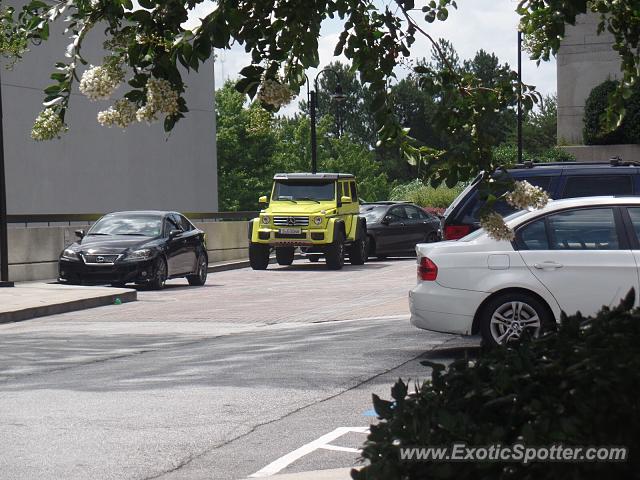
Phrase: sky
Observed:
(476, 24)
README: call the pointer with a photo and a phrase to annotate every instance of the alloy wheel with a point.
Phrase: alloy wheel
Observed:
(510, 321)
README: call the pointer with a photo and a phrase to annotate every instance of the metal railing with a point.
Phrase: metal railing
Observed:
(88, 218)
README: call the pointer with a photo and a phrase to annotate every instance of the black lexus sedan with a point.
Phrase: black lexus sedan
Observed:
(143, 247)
(394, 228)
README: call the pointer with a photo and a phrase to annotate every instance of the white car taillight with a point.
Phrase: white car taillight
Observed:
(427, 270)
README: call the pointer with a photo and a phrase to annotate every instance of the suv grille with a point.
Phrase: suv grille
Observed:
(100, 259)
(291, 221)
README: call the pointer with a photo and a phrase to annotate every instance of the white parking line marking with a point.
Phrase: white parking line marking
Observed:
(322, 442)
(340, 449)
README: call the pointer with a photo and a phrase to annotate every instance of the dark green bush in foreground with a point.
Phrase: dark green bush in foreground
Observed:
(577, 386)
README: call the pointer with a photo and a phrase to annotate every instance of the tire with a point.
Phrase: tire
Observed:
(496, 321)
(199, 278)
(258, 256)
(371, 247)
(314, 258)
(358, 252)
(160, 277)
(284, 255)
(335, 253)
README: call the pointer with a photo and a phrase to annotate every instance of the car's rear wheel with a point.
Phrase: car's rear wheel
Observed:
(511, 316)
(258, 256)
(335, 253)
(358, 252)
(199, 278)
(284, 255)
(160, 277)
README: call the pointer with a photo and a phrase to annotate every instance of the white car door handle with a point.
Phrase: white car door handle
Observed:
(547, 265)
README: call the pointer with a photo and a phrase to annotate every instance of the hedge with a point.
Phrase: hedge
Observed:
(594, 113)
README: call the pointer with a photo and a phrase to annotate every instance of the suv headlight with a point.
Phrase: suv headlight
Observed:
(69, 254)
(265, 219)
(142, 254)
(317, 220)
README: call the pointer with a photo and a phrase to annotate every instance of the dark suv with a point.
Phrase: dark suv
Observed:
(559, 180)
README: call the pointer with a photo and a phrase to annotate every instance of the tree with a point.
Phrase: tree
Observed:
(150, 48)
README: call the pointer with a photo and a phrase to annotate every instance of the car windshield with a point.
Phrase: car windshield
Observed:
(141, 225)
(373, 213)
(297, 190)
(476, 233)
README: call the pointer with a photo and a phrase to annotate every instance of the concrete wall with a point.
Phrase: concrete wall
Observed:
(34, 251)
(585, 60)
(96, 169)
(603, 153)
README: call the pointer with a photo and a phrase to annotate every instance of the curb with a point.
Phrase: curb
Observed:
(65, 307)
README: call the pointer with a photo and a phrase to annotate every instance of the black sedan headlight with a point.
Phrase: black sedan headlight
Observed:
(70, 254)
(139, 255)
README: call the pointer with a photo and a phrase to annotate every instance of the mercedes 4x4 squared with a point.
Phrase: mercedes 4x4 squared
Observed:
(317, 212)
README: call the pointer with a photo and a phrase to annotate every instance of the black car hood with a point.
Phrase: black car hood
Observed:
(95, 244)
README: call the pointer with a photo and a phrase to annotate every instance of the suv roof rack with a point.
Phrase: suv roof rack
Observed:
(613, 161)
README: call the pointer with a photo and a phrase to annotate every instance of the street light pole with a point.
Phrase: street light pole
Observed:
(312, 98)
(519, 96)
(4, 250)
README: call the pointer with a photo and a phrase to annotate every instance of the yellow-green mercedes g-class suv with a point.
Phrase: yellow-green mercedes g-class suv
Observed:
(317, 212)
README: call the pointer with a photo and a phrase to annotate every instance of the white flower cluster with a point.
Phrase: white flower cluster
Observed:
(525, 195)
(274, 93)
(122, 114)
(47, 126)
(161, 98)
(495, 227)
(98, 83)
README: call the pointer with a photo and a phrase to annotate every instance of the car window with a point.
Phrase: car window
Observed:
(634, 213)
(354, 191)
(170, 224)
(187, 226)
(142, 225)
(592, 185)
(373, 213)
(533, 236)
(583, 229)
(398, 212)
(413, 213)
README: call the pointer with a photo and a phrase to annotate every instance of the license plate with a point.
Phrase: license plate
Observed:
(291, 231)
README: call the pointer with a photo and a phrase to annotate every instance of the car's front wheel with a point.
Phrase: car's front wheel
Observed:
(334, 254)
(199, 278)
(160, 277)
(258, 256)
(510, 316)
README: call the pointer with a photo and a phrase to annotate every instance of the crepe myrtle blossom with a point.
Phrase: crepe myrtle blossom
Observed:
(161, 98)
(48, 125)
(524, 195)
(495, 227)
(98, 83)
(274, 93)
(121, 114)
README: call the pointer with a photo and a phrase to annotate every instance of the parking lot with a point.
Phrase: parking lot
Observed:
(222, 381)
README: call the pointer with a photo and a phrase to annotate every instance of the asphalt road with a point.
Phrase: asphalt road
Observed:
(217, 382)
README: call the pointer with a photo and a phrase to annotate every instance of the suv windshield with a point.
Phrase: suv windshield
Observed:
(296, 190)
(143, 225)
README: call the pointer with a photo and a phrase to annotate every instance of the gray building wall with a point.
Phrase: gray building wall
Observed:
(95, 169)
(585, 60)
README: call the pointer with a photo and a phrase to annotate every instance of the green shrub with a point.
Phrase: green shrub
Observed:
(595, 107)
(576, 386)
(507, 155)
(424, 195)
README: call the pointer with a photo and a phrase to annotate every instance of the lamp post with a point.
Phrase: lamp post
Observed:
(519, 96)
(312, 99)
(4, 251)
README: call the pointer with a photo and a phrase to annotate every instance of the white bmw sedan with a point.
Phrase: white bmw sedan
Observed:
(572, 255)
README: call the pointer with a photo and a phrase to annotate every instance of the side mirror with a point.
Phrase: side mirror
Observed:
(386, 220)
(345, 199)
(263, 199)
(174, 233)
(80, 234)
